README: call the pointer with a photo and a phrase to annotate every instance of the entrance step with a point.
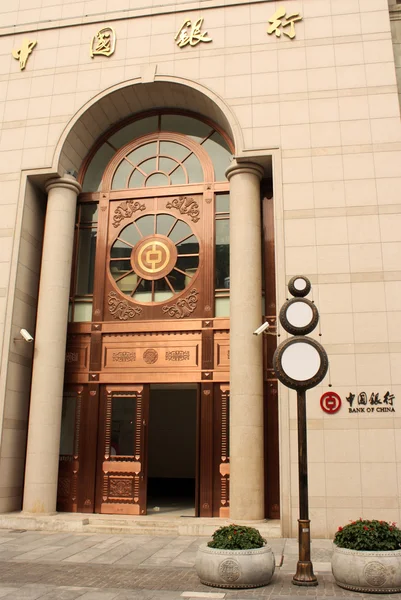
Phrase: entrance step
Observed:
(132, 525)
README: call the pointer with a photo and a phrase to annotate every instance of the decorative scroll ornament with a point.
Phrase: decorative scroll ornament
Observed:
(230, 570)
(150, 356)
(184, 307)
(124, 356)
(120, 309)
(186, 206)
(125, 210)
(71, 357)
(177, 355)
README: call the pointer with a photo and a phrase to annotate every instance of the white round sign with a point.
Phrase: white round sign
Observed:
(299, 314)
(300, 284)
(300, 361)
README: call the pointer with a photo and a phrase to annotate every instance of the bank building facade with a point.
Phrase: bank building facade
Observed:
(165, 171)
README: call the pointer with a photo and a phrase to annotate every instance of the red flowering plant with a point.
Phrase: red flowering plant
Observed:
(236, 537)
(369, 535)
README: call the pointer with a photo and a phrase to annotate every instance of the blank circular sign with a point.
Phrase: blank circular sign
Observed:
(300, 363)
(299, 286)
(299, 316)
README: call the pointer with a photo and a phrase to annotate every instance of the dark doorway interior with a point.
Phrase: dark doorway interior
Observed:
(172, 449)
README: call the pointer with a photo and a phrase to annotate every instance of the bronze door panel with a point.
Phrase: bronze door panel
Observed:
(69, 459)
(121, 472)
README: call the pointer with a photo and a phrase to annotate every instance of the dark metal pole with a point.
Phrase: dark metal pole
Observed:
(304, 575)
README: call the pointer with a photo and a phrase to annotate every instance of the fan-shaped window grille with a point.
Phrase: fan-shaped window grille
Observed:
(158, 163)
(169, 164)
(154, 258)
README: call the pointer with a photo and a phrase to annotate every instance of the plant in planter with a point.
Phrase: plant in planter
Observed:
(367, 557)
(236, 557)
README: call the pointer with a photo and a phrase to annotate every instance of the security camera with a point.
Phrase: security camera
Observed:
(261, 329)
(26, 335)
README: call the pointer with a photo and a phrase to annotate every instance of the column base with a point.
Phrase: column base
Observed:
(305, 575)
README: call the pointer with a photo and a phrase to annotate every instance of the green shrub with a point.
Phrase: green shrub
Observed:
(369, 535)
(236, 537)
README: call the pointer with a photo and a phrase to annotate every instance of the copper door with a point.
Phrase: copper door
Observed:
(121, 471)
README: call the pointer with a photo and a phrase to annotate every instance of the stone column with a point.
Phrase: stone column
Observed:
(42, 458)
(246, 364)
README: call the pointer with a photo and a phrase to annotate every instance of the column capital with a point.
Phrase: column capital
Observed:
(67, 182)
(238, 168)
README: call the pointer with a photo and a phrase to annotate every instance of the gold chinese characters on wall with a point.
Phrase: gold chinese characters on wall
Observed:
(280, 20)
(103, 43)
(23, 52)
(191, 33)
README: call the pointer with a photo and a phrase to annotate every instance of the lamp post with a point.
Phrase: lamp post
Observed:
(301, 363)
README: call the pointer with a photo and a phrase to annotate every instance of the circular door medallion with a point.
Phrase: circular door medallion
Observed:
(154, 257)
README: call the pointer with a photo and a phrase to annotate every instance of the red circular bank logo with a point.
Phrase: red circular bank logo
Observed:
(330, 402)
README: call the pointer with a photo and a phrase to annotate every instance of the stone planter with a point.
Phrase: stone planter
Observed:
(235, 568)
(370, 572)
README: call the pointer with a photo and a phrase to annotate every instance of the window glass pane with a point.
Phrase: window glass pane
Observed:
(137, 180)
(119, 267)
(128, 283)
(194, 169)
(89, 213)
(134, 130)
(164, 223)
(146, 224)
(94, 173)
(144, 292)
(222, 254)
(186, 125)
(86, 261)
(130, 234)
(221, 157)
(157, 180)
(162, 291)
(82, 312)
(148, 166)
(178, 177)
(120, 250)
(68, 425)
(143, 152)
(166, 164)
(177, 280)
(189, 246)
(222, 307)
(123, 413)
(173, 149)
(188, 264)
(120, 179)
(180, 231)
(223, 203)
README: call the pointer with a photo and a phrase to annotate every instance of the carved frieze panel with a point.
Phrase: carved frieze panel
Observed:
(143, 356)
(222, 354)
(76, 357)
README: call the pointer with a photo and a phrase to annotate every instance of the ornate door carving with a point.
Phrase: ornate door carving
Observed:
(121, 480)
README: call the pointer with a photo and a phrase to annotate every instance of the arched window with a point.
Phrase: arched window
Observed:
(152, 222)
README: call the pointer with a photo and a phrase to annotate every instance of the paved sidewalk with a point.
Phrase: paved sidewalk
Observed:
(68, 566)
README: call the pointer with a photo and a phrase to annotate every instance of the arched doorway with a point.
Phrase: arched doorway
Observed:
(149, 322)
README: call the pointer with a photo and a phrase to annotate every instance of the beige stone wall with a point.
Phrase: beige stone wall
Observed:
(325, 105)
